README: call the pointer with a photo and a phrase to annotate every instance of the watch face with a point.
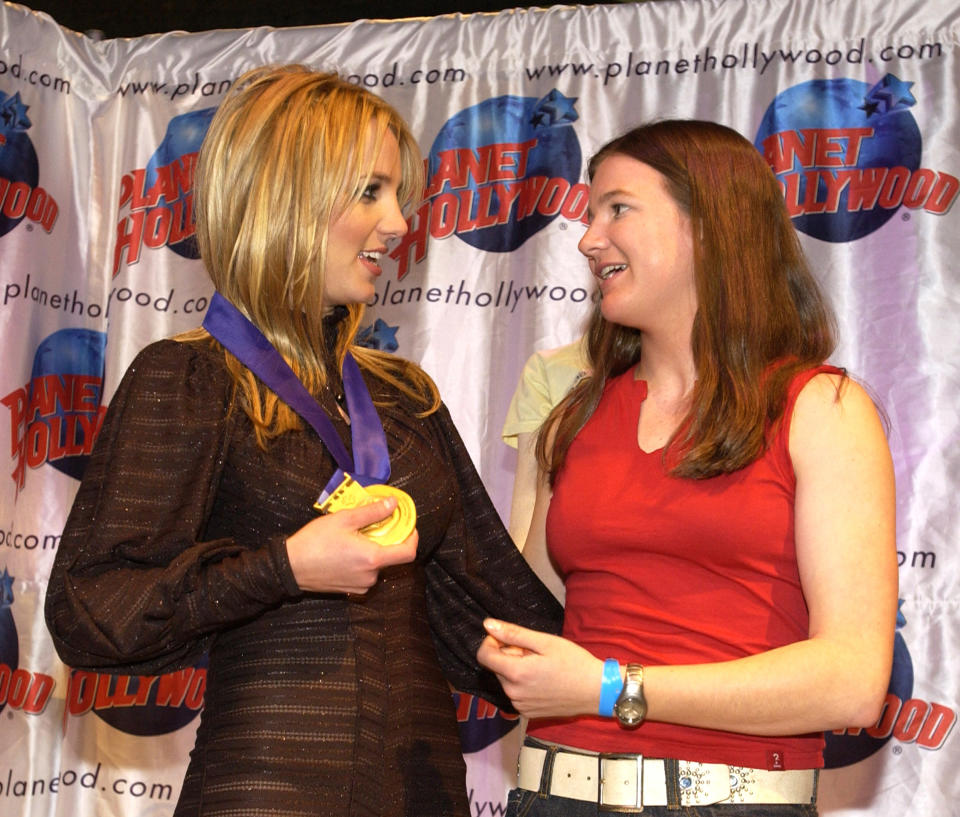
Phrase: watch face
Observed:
(630, 712)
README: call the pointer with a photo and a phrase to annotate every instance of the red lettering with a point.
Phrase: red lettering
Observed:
(506, 195)
(126, 189)
(912, 715)
(530, 196)
(883, 728)
(39, 695)
(156, 228)
(138, 199)
(181, 171)
(865, 187)
(81, 691)
(443, 215)
(919, 187)
(17, 402)
(129, 239)
(198, 686)
(146, 683)
(36, 444)
(576, 202)
(936, 727)
(894, 186)
(15, 202)
(943, 194)
(553, 195)
(416, 237)
(182, 226)
(85, 394)
(172, 687)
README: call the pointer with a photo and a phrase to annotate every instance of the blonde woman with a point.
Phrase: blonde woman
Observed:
(195, 528)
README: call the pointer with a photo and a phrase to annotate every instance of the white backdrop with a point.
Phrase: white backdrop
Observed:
(854, 104)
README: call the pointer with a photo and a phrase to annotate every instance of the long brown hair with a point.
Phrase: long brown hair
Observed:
(287, 150)
(761, 316)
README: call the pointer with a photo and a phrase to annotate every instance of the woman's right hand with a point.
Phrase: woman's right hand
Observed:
(330, 555)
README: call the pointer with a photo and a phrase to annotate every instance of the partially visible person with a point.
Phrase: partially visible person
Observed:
(716, 506)
(547, 377)
(332, 637)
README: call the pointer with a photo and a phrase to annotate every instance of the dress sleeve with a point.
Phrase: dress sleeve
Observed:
(477, 572)
(135, 587)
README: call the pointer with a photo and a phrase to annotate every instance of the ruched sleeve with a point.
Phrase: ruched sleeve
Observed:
(136, 586)
(476, 572)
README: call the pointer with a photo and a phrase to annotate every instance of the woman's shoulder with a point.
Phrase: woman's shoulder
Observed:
(832, 405)
(193, 364)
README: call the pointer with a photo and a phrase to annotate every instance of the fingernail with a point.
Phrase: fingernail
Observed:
(491, 625)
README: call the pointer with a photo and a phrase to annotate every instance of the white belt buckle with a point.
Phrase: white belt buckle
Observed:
(638, 759)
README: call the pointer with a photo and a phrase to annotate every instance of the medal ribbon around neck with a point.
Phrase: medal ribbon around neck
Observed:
(369, 465)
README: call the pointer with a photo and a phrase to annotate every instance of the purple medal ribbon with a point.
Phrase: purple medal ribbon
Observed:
(370, 462)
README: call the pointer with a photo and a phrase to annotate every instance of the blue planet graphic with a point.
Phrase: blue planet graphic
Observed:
(184, 135)
(149, 718)
(71, 351)
(513, 120)
(18, 159)
(9, 643)
(846, 103)
(483, 726)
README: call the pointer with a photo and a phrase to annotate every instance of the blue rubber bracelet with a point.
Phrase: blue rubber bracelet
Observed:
(610, 687)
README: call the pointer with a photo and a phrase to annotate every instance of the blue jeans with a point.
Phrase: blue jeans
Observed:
(523, 803)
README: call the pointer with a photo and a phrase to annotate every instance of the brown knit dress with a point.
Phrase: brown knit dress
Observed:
(315, 704)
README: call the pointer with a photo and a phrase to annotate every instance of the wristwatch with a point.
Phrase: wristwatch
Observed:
(631, 706)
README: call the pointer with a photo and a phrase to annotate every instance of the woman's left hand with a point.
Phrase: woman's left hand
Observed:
(543, 675)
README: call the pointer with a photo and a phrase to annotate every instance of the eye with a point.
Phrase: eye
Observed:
(618, 209)
(370, 192)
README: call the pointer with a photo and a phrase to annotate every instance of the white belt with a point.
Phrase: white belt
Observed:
(635, 781)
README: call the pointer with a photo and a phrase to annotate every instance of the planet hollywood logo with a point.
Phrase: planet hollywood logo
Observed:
(159, 197)
(20, 689)
(481, 723)
(55, 417)
(142, 705)
(848, 156)
(903, 718)
(21, 197)
(498, 173)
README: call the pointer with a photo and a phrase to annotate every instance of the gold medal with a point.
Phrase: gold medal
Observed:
(390, 531)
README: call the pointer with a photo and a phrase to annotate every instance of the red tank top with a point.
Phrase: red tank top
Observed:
(661, 570)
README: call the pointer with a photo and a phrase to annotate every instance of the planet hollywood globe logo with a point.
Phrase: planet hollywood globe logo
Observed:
(847, 155)
(56, 415)
(903, 717)
(143, 705)
(159, 197)
(21, 197)
(498, 172)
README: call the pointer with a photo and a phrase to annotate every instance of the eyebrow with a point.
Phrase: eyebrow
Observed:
(385, 178)
(610, 194)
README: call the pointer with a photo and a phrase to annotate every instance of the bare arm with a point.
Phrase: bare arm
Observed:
(847, 560)
(535, 548)
(524, 487)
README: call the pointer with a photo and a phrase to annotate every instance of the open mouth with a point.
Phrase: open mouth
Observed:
(609, 269)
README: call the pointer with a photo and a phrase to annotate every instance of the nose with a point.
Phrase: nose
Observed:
(392, 223)
(593, 239)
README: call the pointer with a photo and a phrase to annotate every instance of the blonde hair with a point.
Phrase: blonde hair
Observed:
(286, 152)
